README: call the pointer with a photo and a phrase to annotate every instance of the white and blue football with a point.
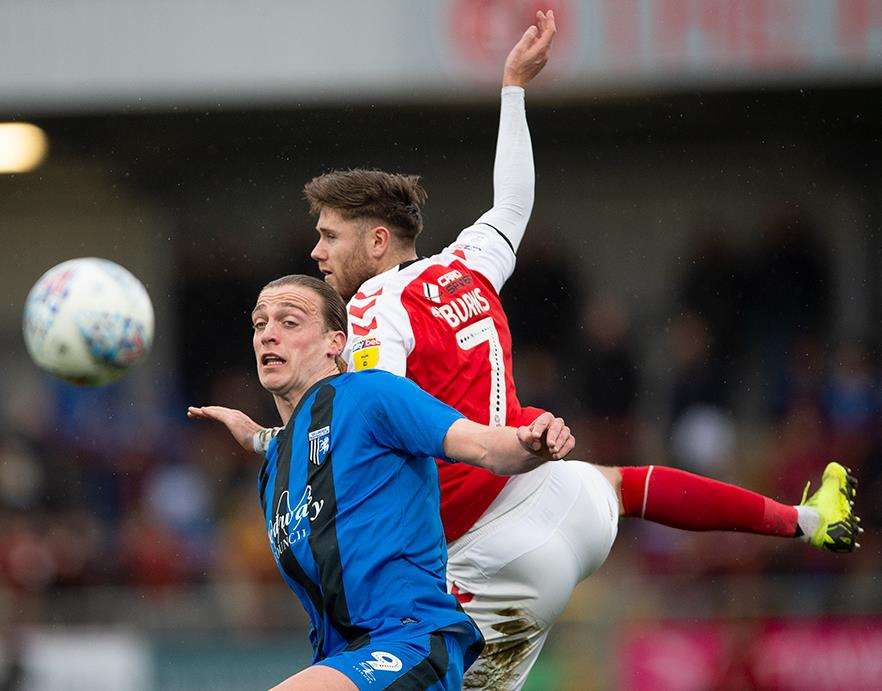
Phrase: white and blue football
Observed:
(88, 321)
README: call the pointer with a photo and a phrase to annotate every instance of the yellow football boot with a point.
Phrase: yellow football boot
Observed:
(834, 501)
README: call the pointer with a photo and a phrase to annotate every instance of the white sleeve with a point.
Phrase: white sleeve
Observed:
(514, 181)
(487, 252)
(514, 177)
(380, 335)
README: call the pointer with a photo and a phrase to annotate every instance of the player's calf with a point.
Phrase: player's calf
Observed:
(687, 501)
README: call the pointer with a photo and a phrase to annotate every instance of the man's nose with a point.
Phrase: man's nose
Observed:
(318, 252)
(270, 334)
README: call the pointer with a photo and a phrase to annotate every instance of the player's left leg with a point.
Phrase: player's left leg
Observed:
(687, 501)
(317, 678)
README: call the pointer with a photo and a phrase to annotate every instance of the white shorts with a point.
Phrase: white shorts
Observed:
(515, 570)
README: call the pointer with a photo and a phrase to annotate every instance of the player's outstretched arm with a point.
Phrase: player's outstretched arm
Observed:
(514, 177)
(509, 450)
(250, 435)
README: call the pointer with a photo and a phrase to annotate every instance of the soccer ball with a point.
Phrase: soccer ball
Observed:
(88, 321)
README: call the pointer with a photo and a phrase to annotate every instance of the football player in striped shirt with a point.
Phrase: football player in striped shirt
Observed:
(349, 492)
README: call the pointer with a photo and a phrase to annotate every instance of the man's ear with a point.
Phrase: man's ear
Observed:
(336, 344)
(379, 239)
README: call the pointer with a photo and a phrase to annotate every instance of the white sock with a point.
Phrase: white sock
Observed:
(808, 520)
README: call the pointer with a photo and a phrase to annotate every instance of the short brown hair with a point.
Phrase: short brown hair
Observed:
(392, 198)
(333, 309)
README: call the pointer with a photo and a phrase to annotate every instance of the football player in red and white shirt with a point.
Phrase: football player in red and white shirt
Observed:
(516, 546)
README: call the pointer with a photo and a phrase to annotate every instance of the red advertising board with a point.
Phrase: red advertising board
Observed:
(786, 654)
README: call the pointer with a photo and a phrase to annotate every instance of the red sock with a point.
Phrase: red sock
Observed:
(692, 502)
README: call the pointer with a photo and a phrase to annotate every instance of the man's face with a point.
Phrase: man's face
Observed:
(342, 252)
(290, 340)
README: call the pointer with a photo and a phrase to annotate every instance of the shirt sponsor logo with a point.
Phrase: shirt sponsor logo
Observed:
(365, 343)
(366, 358)
(449, 277)
(366, 353)
(463, 308)
(287, 527)
(319, 445)
(453, 281)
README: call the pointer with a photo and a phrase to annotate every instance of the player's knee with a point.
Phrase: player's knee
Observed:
(613, 475)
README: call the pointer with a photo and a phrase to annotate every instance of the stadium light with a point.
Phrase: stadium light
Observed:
(23, 147)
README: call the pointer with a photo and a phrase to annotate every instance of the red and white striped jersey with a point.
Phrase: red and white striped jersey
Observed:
(439, 321)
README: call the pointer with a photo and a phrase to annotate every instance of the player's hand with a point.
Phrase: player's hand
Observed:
(530, 54)
(238, 423)
(547, 437)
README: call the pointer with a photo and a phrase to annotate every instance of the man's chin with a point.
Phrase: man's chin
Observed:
(274, 382)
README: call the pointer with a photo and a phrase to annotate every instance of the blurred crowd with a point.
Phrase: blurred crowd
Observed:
(752, 387)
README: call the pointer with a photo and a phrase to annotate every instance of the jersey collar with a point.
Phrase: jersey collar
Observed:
(403, 265)
(311, 390)
(374, 283)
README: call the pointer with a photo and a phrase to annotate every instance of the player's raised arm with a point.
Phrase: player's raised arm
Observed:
(509, 450)
(249, 435)
(514, 177)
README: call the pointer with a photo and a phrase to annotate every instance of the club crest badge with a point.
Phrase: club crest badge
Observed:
(319, 445)
(432, 293)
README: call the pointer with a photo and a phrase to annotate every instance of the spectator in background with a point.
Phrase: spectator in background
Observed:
(713, 288)
(703, 441)
(702, 428)
(26, 562)
(539, 377)
(546, 292)
(800, 381)
(216, 283)
(149, 553)
(850, 396)
(791, 279)
(211, 296)
(75, 540)
(22, 474)
(790, 290)
(699, 377)
(608, 384)
(851, 403)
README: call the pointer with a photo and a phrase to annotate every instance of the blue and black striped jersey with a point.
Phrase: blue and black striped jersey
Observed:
(350, 495)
